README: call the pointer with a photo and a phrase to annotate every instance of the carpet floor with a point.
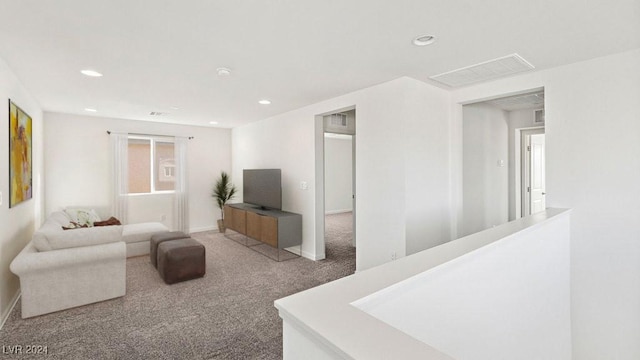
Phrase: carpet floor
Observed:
(228, 314)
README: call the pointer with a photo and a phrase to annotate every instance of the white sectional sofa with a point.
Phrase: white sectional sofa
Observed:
(138, 236)
(60, 269)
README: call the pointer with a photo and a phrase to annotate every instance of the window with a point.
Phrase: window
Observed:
(151, 165)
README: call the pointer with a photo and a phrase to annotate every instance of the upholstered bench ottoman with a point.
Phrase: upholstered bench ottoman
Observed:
(181, 260)
(156, 239)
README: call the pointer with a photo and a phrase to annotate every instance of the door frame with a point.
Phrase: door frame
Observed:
(522, 181)
(320, 252)
(456, 175)
(353, 188)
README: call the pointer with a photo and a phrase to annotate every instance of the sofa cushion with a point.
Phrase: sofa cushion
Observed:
(46, 239)
(54, 222)
(132, 233)
(58, 217)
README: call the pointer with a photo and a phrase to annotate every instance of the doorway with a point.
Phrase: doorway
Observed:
(336, 178)
(496, 161)
(533, 186)
(339, 182)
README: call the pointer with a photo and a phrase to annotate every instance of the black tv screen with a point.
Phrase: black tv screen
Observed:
(262, 187)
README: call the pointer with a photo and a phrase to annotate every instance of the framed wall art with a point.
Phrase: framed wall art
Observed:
(20, 151)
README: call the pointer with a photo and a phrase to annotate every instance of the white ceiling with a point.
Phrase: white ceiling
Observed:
(156, 54)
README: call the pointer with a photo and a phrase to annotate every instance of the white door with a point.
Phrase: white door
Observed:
(537, 174)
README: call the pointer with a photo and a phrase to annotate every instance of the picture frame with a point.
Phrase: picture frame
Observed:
(20, 155)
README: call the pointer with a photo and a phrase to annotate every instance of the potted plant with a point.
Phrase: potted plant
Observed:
(223, 191)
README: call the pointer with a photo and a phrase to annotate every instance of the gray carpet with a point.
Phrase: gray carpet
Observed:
(228, 314)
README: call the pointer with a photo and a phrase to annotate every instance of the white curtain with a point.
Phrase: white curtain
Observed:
(181, 197)
(120, 179)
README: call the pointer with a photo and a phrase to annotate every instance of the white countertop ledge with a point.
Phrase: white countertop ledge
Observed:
(326, 313)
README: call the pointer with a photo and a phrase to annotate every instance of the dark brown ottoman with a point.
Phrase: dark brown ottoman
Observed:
(181, 260)
(156, 239)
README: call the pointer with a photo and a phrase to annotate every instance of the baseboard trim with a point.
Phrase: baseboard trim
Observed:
(314, 257)
(204, 228)
(333, 212)
(5, 316)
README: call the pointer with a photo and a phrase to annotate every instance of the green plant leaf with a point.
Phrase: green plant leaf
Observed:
(223, 191)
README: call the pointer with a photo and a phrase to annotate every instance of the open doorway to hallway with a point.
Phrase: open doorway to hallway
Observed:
(503, 160)
(338, 192)
(339, 184)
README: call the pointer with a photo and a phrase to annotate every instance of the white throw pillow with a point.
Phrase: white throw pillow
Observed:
(82, 216)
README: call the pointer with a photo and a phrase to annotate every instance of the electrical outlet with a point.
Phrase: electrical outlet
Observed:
(303, 185)
(394, 256)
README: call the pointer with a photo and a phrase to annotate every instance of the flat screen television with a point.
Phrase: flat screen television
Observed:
(262, 187)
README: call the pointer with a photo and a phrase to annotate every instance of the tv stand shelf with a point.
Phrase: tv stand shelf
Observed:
(277, 228)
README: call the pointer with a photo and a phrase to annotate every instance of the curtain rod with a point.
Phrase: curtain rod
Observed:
(188, 137)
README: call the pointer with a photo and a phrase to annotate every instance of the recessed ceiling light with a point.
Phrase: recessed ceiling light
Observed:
(91, 73)
(264, 102)
(223, 71)
(424, 40)
(213, 122)
(90, 110)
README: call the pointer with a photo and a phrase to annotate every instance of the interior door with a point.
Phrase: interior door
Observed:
(536, 173)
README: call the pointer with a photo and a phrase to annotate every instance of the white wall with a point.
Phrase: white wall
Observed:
(483, 141)
(398, 122)
(18, 223)
(593, 147)
(517, 119)
(425, 143)
(286, 143)
(338, 174)
(77, 163)
(156, 207)
(485, 183)
(507, 300)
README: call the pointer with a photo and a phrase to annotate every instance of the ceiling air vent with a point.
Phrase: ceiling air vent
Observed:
(338, 120)
(339, 123)
(488, 70)
(157, 113)
(520, 102)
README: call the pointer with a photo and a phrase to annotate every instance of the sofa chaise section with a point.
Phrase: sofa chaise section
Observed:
(138, 236)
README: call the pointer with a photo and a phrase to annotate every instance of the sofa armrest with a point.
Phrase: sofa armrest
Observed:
(29, 260)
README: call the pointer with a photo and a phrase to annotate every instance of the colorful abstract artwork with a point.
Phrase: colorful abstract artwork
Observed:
(20, 169)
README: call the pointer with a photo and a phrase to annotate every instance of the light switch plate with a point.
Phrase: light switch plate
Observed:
(303, 185)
